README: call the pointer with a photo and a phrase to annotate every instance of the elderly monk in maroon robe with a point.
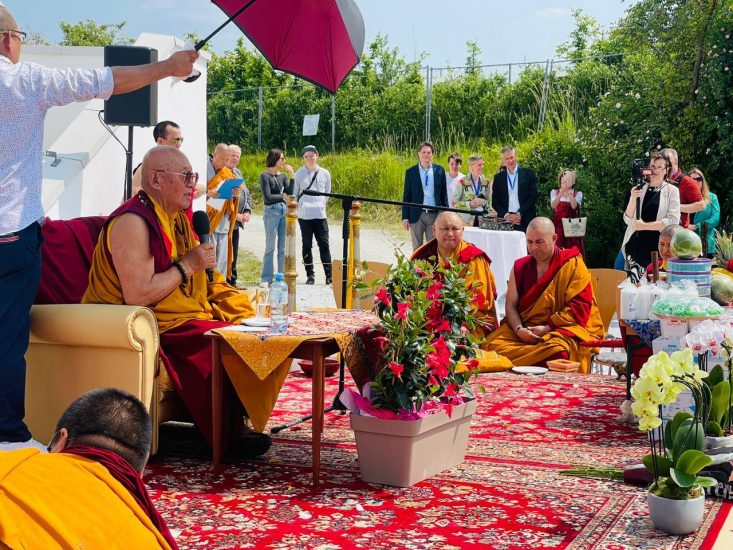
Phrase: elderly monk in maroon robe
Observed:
(550, 307)
(148, 255)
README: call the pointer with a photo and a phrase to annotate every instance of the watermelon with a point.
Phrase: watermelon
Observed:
(686, 245)
(721, 287)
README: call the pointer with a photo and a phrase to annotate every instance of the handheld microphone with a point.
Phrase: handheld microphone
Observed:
(202, 228)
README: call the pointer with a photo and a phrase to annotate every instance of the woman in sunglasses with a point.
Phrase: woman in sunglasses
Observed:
(711, 214)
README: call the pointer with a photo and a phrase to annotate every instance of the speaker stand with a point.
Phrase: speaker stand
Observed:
(128, 166)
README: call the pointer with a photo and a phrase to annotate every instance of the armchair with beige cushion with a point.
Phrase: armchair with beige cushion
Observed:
(76, 347)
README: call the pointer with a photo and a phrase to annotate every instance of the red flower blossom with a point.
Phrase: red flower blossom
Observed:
(381, 342)
(433, 292)
(381, 296)
(729, 265)
(440, 325)
(451, 390)
(439, 360)
(478, 299)
(403, 309)
(433, 381)
(435, 310)
(472, 364)
(396, 368)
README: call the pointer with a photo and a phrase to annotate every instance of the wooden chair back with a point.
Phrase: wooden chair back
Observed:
(605, 283)
(375, 270)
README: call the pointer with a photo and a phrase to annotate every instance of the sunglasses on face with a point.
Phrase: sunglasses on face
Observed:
(697, 178)
(189, 178)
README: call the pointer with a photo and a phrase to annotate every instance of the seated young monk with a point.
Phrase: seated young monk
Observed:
(147, 255)
(664, 247)
(87, 492)
(448, 245)
(550, 306)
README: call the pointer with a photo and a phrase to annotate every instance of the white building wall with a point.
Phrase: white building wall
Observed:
(90, 179)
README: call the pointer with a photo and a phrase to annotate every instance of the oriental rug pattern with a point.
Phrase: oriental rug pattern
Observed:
(508, 494)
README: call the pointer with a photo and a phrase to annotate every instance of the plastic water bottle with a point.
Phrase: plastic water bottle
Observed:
(279, 304)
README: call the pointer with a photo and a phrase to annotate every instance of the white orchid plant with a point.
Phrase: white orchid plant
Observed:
(676, 457)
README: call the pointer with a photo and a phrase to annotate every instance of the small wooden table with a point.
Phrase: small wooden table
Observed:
(316, 350)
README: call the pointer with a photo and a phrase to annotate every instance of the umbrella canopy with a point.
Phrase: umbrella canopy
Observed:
(317, 40)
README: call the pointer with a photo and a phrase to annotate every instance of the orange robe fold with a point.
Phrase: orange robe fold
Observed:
(58, 500)
(229, 209)
(562, 298)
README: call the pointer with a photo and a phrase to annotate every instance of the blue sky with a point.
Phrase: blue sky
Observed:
(506, 31)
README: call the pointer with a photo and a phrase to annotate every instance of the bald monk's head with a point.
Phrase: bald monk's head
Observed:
(167, 177)
(448, 230)
(541, 239)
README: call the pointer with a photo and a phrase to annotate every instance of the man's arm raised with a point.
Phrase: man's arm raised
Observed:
(129, 79)
(135, 266)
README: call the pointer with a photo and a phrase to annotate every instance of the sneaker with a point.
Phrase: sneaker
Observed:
(15, 445)
(329, 280)
(310, 280)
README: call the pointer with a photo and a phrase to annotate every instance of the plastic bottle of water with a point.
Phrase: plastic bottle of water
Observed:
(279, 304)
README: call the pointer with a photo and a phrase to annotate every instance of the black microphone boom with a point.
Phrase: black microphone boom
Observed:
(202, 228)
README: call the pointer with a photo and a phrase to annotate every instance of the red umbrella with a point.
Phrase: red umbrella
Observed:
(317, 40)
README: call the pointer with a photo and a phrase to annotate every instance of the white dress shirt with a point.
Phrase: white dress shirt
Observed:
(27, 91)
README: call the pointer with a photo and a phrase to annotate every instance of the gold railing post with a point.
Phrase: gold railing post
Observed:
(352, 298)
(291, 273)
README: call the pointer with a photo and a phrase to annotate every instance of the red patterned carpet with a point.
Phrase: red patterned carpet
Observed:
(508, 493)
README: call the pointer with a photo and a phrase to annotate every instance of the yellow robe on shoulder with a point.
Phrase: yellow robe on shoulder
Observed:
(229, 209)
(60, 500)
(553, 307)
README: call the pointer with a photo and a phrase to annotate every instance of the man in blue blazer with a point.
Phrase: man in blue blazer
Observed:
(514, 194)
(424, 184)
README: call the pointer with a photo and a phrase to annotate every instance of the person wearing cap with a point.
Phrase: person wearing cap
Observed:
(312, 212)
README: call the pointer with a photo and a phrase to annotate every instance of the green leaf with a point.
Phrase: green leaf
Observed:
(704, 481)
(715, 377)
(663, 464)
(672, 427)
(681, 478)
(719, 404)
(692, 461)
(714, 429)
(689, 436)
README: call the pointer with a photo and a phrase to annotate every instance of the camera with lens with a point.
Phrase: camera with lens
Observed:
(640, 173)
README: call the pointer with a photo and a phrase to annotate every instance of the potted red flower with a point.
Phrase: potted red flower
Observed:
(416, 412)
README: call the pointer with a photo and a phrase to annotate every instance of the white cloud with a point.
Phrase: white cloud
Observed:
(552, 13)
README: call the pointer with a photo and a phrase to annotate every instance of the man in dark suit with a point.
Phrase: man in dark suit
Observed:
(514, 195)
(424, 184)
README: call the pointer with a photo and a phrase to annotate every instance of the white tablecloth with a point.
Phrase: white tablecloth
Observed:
(503, 247)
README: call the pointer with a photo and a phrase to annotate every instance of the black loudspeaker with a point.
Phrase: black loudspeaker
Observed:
(138, 108)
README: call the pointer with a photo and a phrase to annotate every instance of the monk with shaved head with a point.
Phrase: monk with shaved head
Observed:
(148, 255)
(448, 246)
(550, 307)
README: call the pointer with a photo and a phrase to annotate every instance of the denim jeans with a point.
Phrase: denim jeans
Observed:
(274, 219)
(20, 274)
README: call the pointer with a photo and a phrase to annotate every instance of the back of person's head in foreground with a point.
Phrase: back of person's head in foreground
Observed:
(10, 36)
(108, 419)
(541, 238)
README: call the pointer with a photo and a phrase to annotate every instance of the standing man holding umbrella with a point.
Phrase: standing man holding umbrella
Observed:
(27, 91)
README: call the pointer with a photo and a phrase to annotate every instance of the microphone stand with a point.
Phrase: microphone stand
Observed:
(346, 204)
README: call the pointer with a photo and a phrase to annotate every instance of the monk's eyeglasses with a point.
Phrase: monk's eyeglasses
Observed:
(20, 35)
(189, 178)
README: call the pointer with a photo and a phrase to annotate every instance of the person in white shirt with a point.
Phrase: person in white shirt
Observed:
(453, 178)
(312, 217)
(27, 91)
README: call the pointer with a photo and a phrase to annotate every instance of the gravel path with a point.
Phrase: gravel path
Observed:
(377, 245)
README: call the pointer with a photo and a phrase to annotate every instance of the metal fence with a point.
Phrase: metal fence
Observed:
(256, 109)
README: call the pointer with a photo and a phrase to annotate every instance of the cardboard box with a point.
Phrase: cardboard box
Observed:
(667, 345)
(674, 328)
